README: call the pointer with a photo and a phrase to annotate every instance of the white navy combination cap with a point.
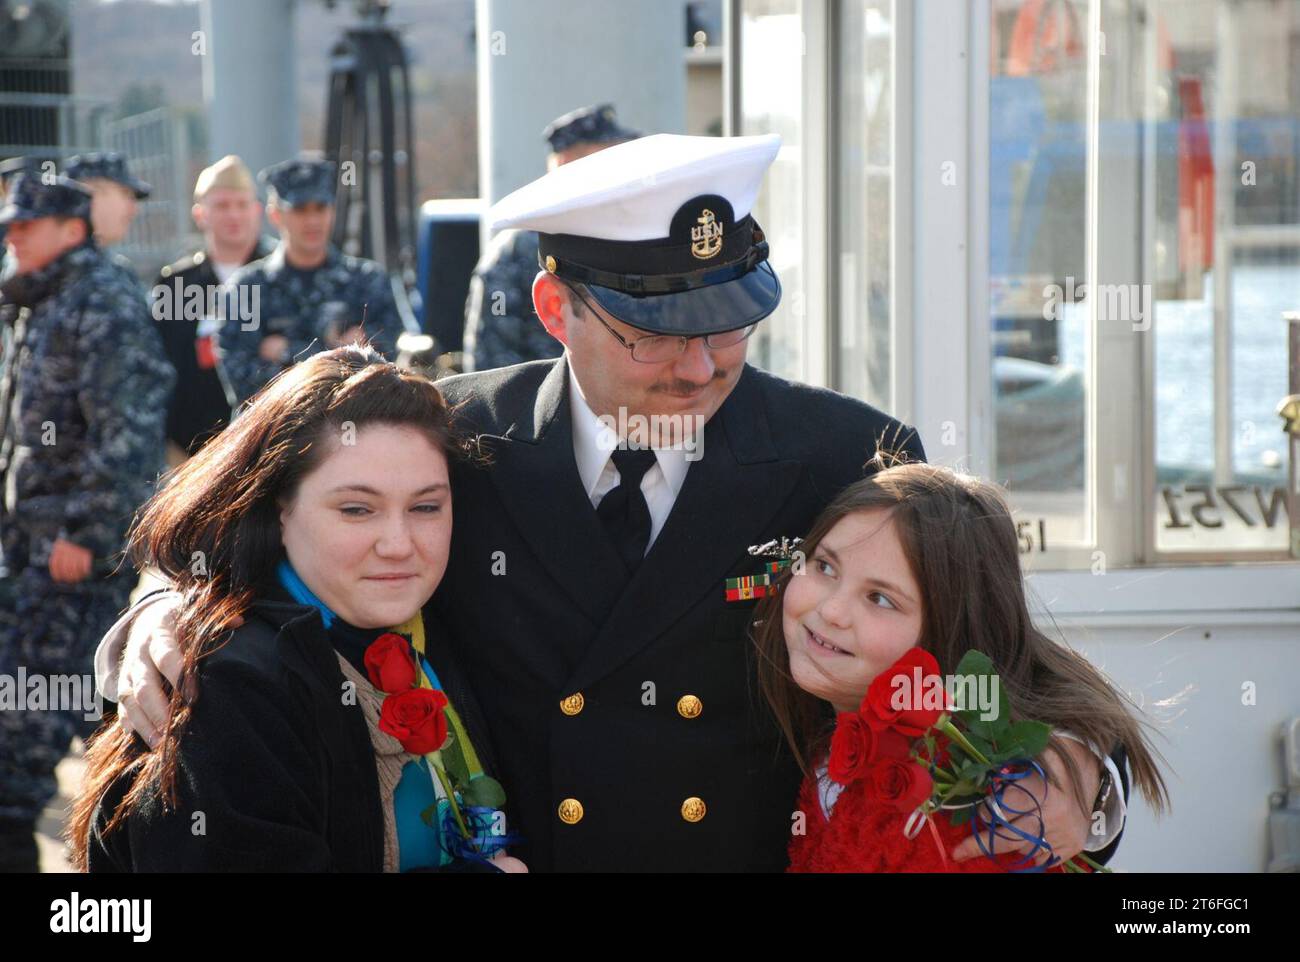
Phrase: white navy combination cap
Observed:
(659, 229)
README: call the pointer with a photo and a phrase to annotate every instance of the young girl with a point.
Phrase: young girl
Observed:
(917, 556)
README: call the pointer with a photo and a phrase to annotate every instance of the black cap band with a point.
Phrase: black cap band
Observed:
(657, 283)
(667, 266)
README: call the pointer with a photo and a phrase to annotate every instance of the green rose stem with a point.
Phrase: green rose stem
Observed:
(956, 790)
(936, 768)
(1096, 866)
(435, 761)
(930, 762)
(946, 726)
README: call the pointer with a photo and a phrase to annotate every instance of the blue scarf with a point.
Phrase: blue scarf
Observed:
(298, 589)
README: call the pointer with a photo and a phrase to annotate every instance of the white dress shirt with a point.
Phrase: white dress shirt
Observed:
(223, 271)
(593, 445)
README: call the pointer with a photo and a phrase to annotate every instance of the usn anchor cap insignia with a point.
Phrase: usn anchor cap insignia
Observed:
(706, 237)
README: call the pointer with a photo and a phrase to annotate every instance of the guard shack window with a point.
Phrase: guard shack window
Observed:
(1109, 195)
(1144, 164)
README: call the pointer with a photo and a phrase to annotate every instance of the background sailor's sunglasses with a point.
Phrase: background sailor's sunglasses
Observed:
(657, 348)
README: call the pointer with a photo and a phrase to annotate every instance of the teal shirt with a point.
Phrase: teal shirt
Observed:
(419, 843)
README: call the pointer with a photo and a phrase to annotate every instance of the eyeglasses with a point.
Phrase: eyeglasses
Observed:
(657, 348)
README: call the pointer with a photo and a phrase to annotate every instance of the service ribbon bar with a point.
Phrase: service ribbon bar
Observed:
(749, 587)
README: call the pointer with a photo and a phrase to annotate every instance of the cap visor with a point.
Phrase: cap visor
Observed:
(302, 199)
(140, 189)
(704, 310)
(614, 135)
(12, 214)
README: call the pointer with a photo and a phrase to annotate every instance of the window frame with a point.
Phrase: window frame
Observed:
(941, 370)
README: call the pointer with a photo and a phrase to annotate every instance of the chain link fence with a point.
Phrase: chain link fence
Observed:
(157, 146)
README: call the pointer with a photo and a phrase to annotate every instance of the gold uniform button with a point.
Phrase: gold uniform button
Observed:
(693, 809)
(573, 704)
(570, 811)
(550, 263)
(688, 706)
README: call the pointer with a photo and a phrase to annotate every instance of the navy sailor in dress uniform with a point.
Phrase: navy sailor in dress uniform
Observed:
(587, 591)
(310, 296)
(225, 200)
(586, 594)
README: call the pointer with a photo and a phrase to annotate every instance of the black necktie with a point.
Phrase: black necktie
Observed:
(623, 510)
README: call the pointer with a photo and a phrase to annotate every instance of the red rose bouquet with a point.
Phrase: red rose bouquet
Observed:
(926, 750)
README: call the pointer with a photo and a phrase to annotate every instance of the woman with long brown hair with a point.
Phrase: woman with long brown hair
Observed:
(322, 733)
(917, 556)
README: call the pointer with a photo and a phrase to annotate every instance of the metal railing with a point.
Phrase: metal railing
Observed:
(53, 125)
(156, 144)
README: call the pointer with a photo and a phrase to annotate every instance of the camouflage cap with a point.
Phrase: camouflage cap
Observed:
(13, 166)
(109, 165)
(30, 198)
(10, 168)
(597, 124)
(303, 179)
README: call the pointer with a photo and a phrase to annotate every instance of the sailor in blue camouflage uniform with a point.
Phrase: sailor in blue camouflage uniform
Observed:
(307, 296)
(501, 327)
(83, 398)
(9, 169)
(115, 194)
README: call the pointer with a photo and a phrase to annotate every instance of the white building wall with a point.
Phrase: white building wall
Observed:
(1217, 682)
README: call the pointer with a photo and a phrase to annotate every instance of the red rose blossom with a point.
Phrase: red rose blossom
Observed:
(902, 785)
(850, 748)
(855, 746)
(389, 663)
(890, 744)
(415, 718)
(913, 719)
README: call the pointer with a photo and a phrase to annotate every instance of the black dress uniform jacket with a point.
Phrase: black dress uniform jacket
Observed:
(201, 403)
(582, 678)
(535, 601)
(281, 767)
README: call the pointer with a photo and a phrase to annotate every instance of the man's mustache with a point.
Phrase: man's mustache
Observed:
(689, 387)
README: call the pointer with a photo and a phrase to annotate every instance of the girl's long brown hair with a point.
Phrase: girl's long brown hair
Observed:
(959, 538)
(213, 531)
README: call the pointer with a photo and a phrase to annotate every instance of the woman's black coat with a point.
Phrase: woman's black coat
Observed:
(276, 770)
